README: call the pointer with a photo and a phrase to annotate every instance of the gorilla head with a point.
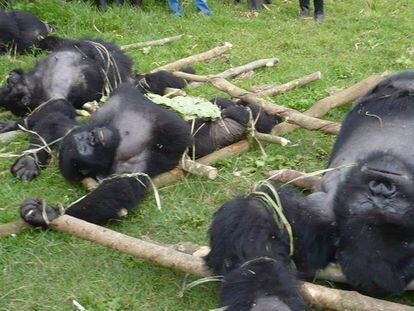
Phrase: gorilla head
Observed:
(88, 151)
(374, 208)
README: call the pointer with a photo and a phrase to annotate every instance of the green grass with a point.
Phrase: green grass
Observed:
(46, 270)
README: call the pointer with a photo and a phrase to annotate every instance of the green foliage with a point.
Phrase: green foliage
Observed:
(189, 107)
(47, 270)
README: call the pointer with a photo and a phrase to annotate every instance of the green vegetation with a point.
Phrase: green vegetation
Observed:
(46, 270)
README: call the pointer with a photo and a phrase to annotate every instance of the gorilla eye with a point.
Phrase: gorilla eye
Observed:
(384, 188)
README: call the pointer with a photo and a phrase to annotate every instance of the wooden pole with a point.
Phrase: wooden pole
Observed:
(196, 58)
(341, 98)
(299, 179)
(232, 72)
(150, 43)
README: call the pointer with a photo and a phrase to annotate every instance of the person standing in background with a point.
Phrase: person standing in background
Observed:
(201, 5)
(304, 9)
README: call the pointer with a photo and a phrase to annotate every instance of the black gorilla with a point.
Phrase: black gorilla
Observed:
(20, 31)
(130, 134)
(361, 214)
(231, 128)
(251, 247)
(77, 71)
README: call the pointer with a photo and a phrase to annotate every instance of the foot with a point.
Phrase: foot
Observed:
(31, 212)
(304, 13)
(319, 17)
(25, 168)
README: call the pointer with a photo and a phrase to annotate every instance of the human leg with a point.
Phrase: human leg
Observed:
(203, 7)
(175, 7)
(319, 17)
(304, 8)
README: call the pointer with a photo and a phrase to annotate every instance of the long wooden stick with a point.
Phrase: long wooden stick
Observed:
(196, 58)
(279, 89)
(9, 136)
(240, 69)
(299, 179)
(169, 257)
(150, 43)
(341, 98)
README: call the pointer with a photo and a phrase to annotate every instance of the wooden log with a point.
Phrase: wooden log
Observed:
(196, 58)
(279, 89)
(13, 227)
(150, 43)
(168, 257)
(341, 98)
(232, 72)
(290, 115)
(299, 179)
(196, 168)
(272, 138)
(9, 136)
(226, 152)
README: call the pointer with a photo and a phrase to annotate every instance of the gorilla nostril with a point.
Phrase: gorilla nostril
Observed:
(383, 188)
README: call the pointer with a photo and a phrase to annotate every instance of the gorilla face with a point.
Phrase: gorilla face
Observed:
(374, 207)
(88, 152)
(378, 192)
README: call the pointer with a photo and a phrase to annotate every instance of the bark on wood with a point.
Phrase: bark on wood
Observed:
(341, 98)
(279, 89)
(299, 179)
(150, 43)
(232, 72)
(9, 136)
(196, 168)
(168, 257)
(13, 227)
(196, 58)
(272, 138)
(226, 152)
(289, 114)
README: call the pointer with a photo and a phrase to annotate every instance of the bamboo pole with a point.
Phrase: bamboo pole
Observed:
(323, 106)
(150, 43)
(232, 72)
(196, 58)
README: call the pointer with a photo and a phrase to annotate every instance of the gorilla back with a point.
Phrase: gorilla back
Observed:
(77, 71)
(373, 198)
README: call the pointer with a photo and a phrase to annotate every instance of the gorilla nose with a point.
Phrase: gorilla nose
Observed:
(383, 188)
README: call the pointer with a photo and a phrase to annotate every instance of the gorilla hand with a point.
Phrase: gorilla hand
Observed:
(7, 126)
(31, 212)
(25, 168)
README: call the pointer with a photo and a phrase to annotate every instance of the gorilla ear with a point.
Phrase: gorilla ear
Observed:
(14, 77)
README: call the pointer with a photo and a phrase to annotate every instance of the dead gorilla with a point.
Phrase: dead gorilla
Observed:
(77, 71)
(361, 215)
(21, 31)
(130, 134)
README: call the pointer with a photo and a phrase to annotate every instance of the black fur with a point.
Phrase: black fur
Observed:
(235, 116)
(158, 82)
(245, 231)
(21, 31)
(130, 134)
(77, 71)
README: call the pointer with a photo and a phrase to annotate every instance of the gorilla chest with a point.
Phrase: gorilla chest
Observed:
(134, 149)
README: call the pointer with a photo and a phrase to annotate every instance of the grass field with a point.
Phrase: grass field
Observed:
(45, 270)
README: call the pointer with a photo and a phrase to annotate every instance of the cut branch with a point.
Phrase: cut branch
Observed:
(288, 114)
(196, 168)
(13, 227)
(169, 257)
(151, 43)
(196, 58)
(279, 89)
(271, 138)
(9, 136)
(323, 106)
(232, 72)
(299, 179)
